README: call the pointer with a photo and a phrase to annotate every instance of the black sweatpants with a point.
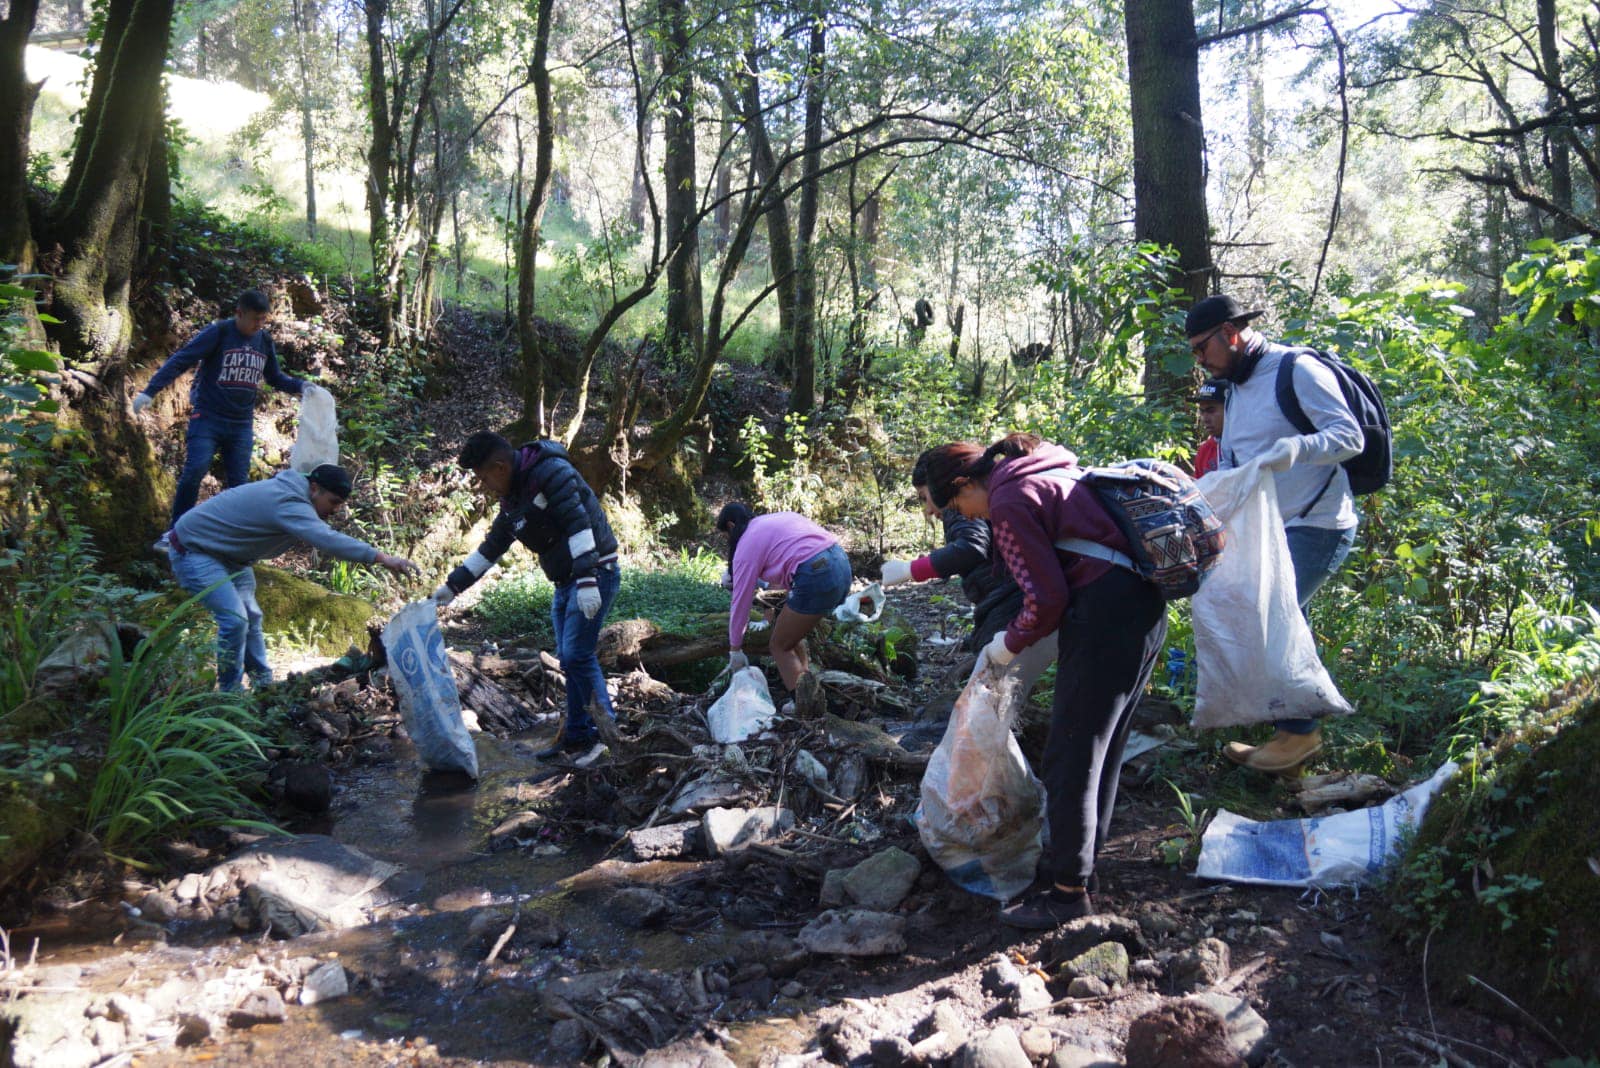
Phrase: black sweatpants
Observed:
(1111, 637)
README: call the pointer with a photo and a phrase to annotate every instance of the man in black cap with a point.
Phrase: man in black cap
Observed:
(212, 546)
(1313, 491)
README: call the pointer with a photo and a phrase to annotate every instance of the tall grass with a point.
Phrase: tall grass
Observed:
(175, 756)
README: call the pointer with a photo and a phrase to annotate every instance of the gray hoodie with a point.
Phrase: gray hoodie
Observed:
(260, 520)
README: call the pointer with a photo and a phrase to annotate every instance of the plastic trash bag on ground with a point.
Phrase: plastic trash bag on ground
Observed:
(1350, 847)
(982, 811)
(316, 442)
(745, 709)
(1257, 659)
(429, 701)
(863, 606)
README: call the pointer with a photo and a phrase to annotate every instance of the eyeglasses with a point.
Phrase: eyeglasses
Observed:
(1199, 347)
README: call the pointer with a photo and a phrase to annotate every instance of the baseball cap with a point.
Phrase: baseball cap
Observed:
(1213, 312)
(1212, 391)
(332, 478)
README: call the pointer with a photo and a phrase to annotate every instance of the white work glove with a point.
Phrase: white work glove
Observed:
(737, 661)
(996, 652)
(141, 402)
(726, 581)
(588, 600)
(443, 596)
(1281, 456)
(896, 572)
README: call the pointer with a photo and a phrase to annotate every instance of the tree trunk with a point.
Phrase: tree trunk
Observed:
(722, 214)
(307, 125)
(17, 96)
(1556, 138)
(639, 199)
(685, 326)
(535, 420)
(1169, 187)
(380, 166)
(95, 218)
(780, 249)
(803, 394)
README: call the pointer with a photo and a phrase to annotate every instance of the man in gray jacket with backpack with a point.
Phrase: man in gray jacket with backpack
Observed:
(1305, 450)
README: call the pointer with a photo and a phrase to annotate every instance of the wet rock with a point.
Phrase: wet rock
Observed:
(854, 933)
(1078, 1057)
(505, 834)
(158, 907)
(782, 955)
(1248, 1032)
(1037, 1043)
(1088, 986)
(1081, 935)
(1202, 965)
(998, 1048)
(569, 1042)
(1180, 1034)
(893, 1051)
(832, 893)
(320, 883)
(883, 880)
(308, 787)
(1107, 962)
(258, 1007)
(727, 829)
(326, 983)
(638, 907)
(665, 842)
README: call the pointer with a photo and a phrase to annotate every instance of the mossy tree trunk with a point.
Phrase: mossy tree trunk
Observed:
(685, 325)
(95, 220)
(17, 95)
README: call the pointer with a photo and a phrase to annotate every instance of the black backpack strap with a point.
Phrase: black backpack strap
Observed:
(1287, 401)
(1283, 386)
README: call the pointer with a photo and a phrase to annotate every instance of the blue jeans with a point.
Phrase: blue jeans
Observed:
(1317, 554)
(232, 603)
(821, 583)
(207, 436)
(576, 641)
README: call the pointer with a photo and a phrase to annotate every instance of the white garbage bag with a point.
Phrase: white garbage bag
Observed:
(1257, 659)
(744, 710)
(429, 701)
(1337, 850)
(982, 811)
(863, 606)
(317, 440)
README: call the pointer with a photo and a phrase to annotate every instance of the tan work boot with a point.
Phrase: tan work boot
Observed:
(1284, 753)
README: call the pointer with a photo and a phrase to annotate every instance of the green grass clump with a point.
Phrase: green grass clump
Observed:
(675, 597)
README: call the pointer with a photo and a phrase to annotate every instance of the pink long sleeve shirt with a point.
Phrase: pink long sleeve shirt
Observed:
(772, 548)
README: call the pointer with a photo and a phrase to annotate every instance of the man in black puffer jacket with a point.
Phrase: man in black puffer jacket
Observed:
(546, 505)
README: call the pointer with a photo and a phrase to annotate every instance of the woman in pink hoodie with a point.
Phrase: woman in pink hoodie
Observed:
(1112, 623)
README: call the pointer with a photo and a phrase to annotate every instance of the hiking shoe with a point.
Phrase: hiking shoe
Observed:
(1284, 753)
(1044, 910)
(569, 747)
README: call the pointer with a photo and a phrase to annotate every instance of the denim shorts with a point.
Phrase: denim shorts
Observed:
(821, 583)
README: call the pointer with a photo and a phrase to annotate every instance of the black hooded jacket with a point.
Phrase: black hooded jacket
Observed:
(552, 511)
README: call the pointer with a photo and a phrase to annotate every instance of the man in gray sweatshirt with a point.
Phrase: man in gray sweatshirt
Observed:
(213, 545)
(1319, 512)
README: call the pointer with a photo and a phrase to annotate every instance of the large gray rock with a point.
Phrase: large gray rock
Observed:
(883, 880)
(314, 881)
(1107, 962)
(1180, 1034)
(725, 830)
(327, 982)
(1248, 1032)
(665, 842)
(1202, 965)
(998, 1048)
(638, 907)
(854, 933)
(258, 1007)
(50, 1031)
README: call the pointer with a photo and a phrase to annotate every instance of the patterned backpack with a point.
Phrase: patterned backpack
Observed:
(1175, 536)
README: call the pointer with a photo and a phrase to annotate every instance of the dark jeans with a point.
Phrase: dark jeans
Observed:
(576, 641)
(230, 597)
(1111, 638)
(1317, 554)
(207, 436)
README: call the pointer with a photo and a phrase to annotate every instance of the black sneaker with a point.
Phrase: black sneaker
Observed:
(569, 746)
(1046, 909)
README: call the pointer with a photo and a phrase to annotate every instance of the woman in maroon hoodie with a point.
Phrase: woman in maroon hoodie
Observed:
(1112, 624)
